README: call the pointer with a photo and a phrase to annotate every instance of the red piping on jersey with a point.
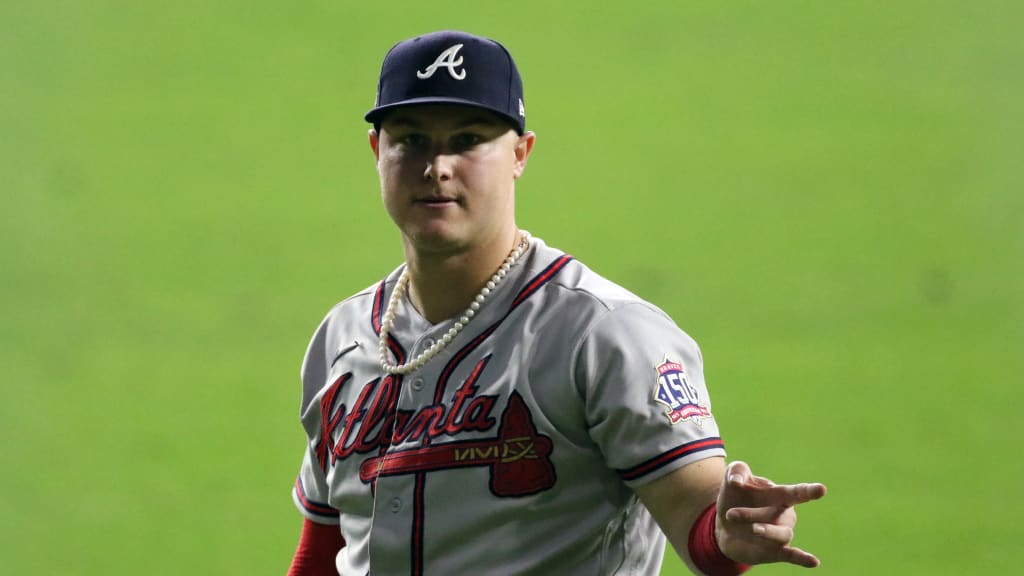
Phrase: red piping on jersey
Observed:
(539, 280)
(378, 307)
(672, 455)
(317, 508)
(417, 525)
(376, 313)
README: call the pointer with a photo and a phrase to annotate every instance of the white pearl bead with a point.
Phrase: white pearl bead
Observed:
(389, 313)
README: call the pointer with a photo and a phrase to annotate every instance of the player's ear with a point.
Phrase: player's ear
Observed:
(522, 151)
(375, 143)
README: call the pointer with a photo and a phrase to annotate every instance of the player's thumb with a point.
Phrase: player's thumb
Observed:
(737, 473)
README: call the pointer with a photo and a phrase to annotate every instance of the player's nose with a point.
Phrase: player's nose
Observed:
(439, 168)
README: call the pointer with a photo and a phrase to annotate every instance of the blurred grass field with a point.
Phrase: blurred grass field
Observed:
(827, 195)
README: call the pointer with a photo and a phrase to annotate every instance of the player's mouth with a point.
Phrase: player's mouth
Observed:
(437, 201)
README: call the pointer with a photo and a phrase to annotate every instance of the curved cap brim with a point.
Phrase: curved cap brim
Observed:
(377, 114)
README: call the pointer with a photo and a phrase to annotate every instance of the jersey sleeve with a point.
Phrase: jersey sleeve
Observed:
(645, 400)
(311, 490)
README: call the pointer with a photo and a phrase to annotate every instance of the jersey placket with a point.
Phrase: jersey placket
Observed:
(396, 539)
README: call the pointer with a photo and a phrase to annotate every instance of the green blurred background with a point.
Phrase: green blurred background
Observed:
(827, 195)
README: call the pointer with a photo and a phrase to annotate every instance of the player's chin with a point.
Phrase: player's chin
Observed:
(434, 235)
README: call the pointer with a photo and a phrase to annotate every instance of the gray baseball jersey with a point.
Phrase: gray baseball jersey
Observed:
(515, 450)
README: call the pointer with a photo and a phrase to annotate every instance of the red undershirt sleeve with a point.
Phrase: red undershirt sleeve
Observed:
(318, 546)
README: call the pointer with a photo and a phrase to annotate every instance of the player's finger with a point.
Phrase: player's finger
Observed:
(798, 557)
(763, 514)
(773, 532)
(793, 494)
(783, 495)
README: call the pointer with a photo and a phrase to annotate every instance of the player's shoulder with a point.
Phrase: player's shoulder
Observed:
(594, 306)
(355, 319)
(579, 285)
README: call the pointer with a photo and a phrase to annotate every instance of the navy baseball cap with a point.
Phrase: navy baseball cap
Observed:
(450, 67)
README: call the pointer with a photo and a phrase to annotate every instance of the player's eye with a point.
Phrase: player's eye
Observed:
(466, 140)
(414, 140)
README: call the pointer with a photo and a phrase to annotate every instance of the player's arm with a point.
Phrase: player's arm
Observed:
(677, 500)
(751, 521)
(318, 547)
(321, 539)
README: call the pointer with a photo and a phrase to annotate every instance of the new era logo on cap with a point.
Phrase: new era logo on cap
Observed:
(450, 67)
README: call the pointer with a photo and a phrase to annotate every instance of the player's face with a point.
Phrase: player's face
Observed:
(447, 175)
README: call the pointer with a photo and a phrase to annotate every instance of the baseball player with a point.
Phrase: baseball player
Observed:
(493, 406)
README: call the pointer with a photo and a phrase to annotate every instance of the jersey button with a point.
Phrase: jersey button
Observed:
(396, 505)
(417, 384)
(427, 343)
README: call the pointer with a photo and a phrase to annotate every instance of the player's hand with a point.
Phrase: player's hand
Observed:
(756, 518)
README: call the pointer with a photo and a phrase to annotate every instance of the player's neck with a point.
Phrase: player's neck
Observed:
(442, 286)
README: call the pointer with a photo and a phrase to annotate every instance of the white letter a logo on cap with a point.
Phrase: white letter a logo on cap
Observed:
(448, 60)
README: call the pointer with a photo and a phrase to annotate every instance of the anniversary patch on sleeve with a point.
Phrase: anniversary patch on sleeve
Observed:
(681, 399)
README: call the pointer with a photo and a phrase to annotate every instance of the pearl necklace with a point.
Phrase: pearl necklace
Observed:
(439, 345)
